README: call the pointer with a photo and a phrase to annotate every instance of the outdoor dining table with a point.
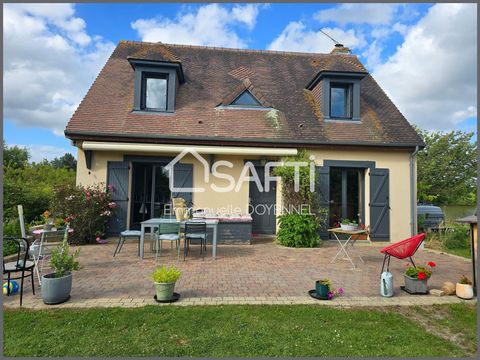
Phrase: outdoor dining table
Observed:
(345, 244)
(155, 223)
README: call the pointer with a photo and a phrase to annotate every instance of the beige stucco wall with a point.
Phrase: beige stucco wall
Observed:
(396, 161)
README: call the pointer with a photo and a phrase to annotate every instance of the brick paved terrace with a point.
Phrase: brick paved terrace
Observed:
(259, 271)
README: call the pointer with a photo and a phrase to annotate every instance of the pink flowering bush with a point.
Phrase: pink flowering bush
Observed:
(86, 209)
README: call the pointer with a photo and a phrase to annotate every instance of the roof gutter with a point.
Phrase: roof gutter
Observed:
(413, 192)
(78, 135)
(160, 148)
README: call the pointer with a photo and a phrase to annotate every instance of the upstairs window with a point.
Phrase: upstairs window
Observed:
(340, 101)
(154, 91)
(246, 99)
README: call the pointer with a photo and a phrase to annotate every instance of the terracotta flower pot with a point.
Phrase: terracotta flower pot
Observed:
(464, 291)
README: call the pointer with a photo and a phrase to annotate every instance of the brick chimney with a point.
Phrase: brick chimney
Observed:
(340, 49)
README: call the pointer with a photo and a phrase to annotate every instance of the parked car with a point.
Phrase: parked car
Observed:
(429, 216)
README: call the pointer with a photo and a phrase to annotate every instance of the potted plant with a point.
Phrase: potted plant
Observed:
(348, 225)
(464, 288)
(164, 279)
(56, 286)
(324, 289)
(416, 278)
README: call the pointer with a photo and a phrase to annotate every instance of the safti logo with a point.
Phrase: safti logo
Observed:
(248, 173)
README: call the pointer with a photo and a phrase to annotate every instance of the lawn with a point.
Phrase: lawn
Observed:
(218, 331)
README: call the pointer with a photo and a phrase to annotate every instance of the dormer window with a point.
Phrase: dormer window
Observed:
(156, 85)
(154, 91)
(246, 99)
(340, 101)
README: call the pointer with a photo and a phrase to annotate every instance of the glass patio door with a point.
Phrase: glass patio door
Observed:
(346, 194)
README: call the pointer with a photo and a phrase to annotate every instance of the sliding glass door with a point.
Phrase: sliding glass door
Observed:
(150, 192)
(346, 195)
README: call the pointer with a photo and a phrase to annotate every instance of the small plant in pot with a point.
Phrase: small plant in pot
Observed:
(464, 288)
(416, 278)
(56, 286)
(164, 280)
(324, 289)
(348, 225)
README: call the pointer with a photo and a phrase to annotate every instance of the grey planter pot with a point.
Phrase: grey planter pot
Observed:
(56, 290)
(415, 286)
(164, 291)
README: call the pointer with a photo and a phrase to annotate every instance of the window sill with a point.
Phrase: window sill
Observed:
(152, 112)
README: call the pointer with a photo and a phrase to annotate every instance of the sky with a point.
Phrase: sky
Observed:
(424, 56)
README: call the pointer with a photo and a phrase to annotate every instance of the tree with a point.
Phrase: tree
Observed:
(15, 156)
(446, 168)
(65, 161)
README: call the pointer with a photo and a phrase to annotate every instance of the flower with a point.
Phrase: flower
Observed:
(112, 205)
(421, 276)
(110, 187)
(431, 264)
(341, 291)
(330, 295)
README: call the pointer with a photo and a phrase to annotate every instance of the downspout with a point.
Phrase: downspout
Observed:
(413, 203)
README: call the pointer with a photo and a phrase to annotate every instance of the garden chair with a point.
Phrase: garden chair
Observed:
(125, 235)
(40, 249)
(402, 249)
(195, 230)
(167, 232)
(21, 264)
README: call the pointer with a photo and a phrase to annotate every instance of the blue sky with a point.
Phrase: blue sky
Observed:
(412, 50)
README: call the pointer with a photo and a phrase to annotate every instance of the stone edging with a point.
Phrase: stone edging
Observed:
(287, 300)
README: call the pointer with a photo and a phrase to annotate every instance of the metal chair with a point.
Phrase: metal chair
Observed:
(22, 264)
(167, 232)
(402, 249)
(196, 231)
(40, 249)
(127, 234)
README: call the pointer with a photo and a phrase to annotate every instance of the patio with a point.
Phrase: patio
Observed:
(260, 273)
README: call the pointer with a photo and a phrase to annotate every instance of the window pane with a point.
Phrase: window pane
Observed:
(156, 93)
(246, 99)
(338, 101)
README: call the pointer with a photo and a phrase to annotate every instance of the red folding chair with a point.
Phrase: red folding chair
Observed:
(402, 249)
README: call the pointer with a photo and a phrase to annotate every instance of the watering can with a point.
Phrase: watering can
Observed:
(386, 284)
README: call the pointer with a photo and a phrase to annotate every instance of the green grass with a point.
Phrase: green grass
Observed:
(218, 331)
(466, 253)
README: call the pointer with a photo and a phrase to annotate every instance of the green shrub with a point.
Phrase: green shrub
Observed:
(86, 209)
(10, 228)
(298, 230)
(457, 238)
(62, 262)
(162, 274)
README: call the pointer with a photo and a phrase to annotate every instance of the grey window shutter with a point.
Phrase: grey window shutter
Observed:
(323, 193)
(183, 178)
(379, 205)
(117, 176)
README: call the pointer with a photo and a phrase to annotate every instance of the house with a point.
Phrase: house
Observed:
(151, 101)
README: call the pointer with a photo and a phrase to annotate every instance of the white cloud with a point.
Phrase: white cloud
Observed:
(296, 37)
(374, 14)
(210, 25)
(39, 152)
(49, 63)
(432, 77)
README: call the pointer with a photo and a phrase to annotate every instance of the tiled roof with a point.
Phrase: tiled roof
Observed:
(215, 75)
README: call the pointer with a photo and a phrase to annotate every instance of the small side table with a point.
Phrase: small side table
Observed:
(345, 244)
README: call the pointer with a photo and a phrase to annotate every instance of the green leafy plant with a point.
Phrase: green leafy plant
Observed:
(332, 292)
(464, 280)
(162, 274)
(62, 262)
(420, 272)
(86, 209)
(457, 237)
(348, 222)
(298, 230)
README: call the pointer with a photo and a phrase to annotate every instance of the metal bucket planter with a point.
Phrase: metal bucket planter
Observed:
(321, 290)
(56, 290)
(464, 291)
(415, 286)
(348, 227)
(164, 291)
